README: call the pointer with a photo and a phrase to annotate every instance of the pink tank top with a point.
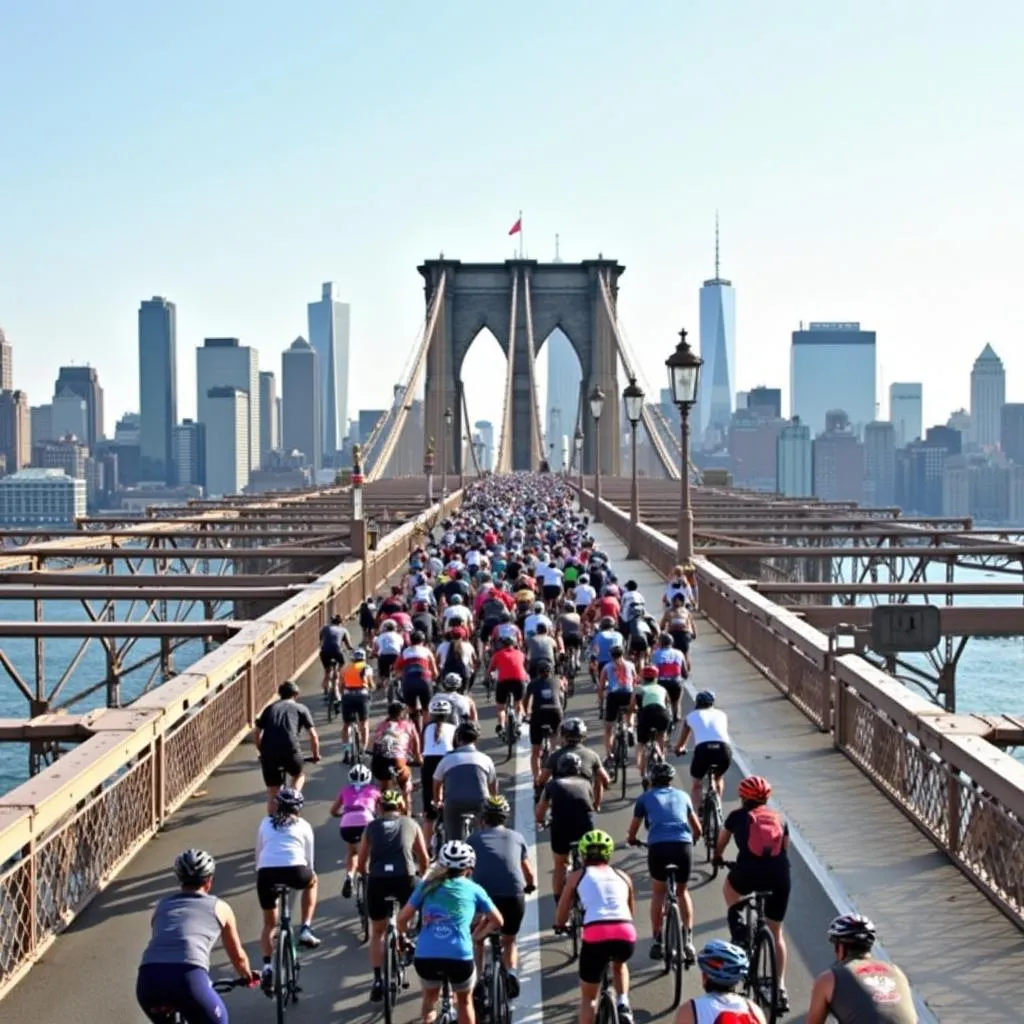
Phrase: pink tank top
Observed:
(358, 804)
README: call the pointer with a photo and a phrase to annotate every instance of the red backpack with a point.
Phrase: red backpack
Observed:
(734, 1017)
(766, 833)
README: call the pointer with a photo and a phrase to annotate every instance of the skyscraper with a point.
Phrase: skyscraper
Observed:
(300, 405)
(988, 395)
(189, 446)
(6, 363)
(879, 463)
(15, 430)
(223, 362)
(84, 381)
(228, 429)
(158, 387)
(270, 426)
(832, 366)
(838, 461)
(69, 416)
(718, 349)
(794, 476)
(486, 431)
(329, 336)
(1011, 432)
(905, 412)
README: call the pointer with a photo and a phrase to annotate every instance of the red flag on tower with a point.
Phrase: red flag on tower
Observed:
(517, 227)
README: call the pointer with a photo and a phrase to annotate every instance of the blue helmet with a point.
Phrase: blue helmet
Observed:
(704, 699)
(290, 800)
(723, 962)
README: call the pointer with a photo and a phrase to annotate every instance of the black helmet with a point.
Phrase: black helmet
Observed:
(544, 667)
(287, 690)
(570, 764)
(467, 732)
(574, 729)
(193, 867)
(617, 650)
(853, 930)
(662, 773)
(417, 636)
(607, 622)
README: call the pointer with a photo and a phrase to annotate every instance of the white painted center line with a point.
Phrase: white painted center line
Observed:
(529, 1007)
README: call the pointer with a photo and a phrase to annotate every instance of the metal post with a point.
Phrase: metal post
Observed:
(684, 539)
(428, 471)
(444, 464)
(634, 499)
(597, 470)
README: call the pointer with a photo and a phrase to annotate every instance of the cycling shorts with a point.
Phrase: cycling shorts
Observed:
(614, 700)
(710, 757)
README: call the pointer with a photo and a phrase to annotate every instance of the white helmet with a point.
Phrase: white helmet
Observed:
(359, 775)
(457, 855)
(440, 706)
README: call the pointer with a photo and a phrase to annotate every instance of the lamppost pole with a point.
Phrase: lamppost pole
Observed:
(444, 452)
(684, 376)
(462, 462)
(633, 396)
(428, 471)
(596, 406)
(577, 440)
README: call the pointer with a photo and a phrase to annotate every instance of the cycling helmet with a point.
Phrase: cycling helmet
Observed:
(755, 787)
(392, 800)
(359, 654)
(705, 699)
(574, 729)
(359, 775)
(538, 607)
(607, 622)
(617, 650)
(457, 855)
(193, 867)
(497, 806)
(440, 708)
(451, 681)
(597, 844)
(506, 616)
(467, 732)
(389, 626)
(568, 606)
(853, 930)
(662, 773)
(455, 599)
(287, 689)
(544, 667)
(650, 672)
(723, 962)
(290, 800)
(569, 764)
(418, 637)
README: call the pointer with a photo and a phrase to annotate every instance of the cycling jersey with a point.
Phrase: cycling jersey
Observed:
(416, 659)
(447, 910)
(284, 845)
(507, 631)
(584, 595)
(620, 676)
(358, 802)
(532, 621)
(438, 739)
(353, 676)
(393, 739)
(509, 665)
(723, 1006)
(709, 725)
(603, 644)
(668, 661)
(869, 990)
(388, 644)
(652, 694)
(666, 812)
(604, 894)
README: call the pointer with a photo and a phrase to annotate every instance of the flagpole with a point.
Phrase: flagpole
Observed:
(520, 234)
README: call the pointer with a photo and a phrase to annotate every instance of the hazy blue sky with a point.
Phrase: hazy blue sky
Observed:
(867, 158)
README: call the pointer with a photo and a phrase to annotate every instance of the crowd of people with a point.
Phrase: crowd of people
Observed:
(513, 591)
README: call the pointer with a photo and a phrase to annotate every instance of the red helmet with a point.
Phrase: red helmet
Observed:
(755, 787)
(650, 672)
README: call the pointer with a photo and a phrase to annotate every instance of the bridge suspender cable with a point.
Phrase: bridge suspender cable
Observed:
(469, 433)
(504, 461)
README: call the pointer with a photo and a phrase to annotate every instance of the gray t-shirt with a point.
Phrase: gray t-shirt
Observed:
(467, 775)
(281, 723)
(500, 853)
(391, 842)
(333, 638)
(185, 927)
(541, 647)
(591, 761)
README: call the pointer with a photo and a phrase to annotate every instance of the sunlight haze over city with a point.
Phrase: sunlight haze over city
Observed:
(232, 156)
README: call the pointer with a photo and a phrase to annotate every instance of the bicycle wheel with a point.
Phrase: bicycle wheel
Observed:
(364, 917)
(510, 733)
(622, 756)
(763, 979)
(607, 1011)
(501, 1012)
(284, 961)
(331, 706)
(709, 822)
(389, 979)
(672, 947)
(575, 928)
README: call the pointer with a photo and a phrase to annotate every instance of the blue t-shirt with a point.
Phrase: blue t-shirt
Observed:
(603, 644)
(665, 811)
(447, 913)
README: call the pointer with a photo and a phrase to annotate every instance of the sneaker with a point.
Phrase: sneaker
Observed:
(625, 1013)
(513, 985)
(307, 938)
(657, 952)
(377, 991)
(346, 889)
(267, 979)
(689, 953)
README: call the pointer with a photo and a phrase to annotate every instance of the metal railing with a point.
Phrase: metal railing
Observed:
(960, 790)
(68, 831)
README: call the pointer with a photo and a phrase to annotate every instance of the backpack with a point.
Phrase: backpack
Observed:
(454, 662)
(492, 609)
(766, 833)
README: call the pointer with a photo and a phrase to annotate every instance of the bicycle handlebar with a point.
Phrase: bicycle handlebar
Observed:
(223, 985)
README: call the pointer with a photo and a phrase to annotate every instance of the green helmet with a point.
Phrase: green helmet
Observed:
(392, 800)
(597, 844)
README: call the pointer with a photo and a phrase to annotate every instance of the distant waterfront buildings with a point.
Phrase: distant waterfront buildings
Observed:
(880, 463)
(718, 350)
(485, 428)
(41, 497)
(84, 381)
(188, 443)
(270, 425)
(988, 395)
(6, 363)
(795, 476)
(158, 387)
(228, 427)
(15, 430)
(300, 391)
(906, 412)
(838, 461)
(223, 362)
(69, 415)
(329, 322)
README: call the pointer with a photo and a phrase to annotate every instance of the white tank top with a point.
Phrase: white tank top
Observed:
(604, 894)
(444, 743)
(709, 725)
(709, 1007)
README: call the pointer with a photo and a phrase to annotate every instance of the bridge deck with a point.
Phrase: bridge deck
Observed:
(929, 914)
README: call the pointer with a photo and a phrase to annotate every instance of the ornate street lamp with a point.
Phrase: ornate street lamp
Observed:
(577, 443)
(684, 379)
(448, 418)
(633, 397)
(596, 399)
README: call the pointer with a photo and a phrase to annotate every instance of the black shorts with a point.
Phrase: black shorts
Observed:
(565, 833)
(710, 757)
(572, 641)
(540, 719)
(652, 720)
(772, 880)
(681, 642)
(434, 971)
(352, 834)
(551, 593)
(660, 855)
(388, 769)
(331, 658)
(512, 910)
(595, 956)
(276, 767)
(355, 706)
(638, 645)
(514, 688)
(673, 687)
(297, 877)
(379, 891)
(613, 701)
(385, 663)
(416, 693)
(581, 609)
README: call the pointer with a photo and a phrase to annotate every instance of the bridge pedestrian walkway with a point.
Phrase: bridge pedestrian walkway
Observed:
(960, 953)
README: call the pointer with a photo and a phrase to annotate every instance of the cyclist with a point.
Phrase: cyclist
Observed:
(671, 666)
(392, 850)
(677, 586)
(583, 596)
(449, 902)
(355, 806)
(456, 656)
(606, 637)
(678, 623)
(438, 740)
(712, 751)
(463, 780)
(508, 666)
(457, 614)
(857, 989)
(356, 684)
(418, 668)
(570, 797)
(175, 968)
(552, 578)
(276, 738)
(541, 645)
(395, 743)
(606, 897)
(762, 865)
(672, 829)
(284, 856)
(642, 631)
(387, 645)
(504, 872)
(653, 721)
(463, 706)
(574, 732)
(543, 704)
(615, 687)
(334, 641)
(723, 967)
(569, 630)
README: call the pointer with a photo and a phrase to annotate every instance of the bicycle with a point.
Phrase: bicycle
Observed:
(361, 909)
(220, 985)
(574, 928)
(286, 961)
(607, 1006)
(620, 751)
(449, 1014)
(353, 750)
(332, 696)
(762, 984)
(495, 976)
(394, 975)
(652, 756)
(510, 735)
(710, 819)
